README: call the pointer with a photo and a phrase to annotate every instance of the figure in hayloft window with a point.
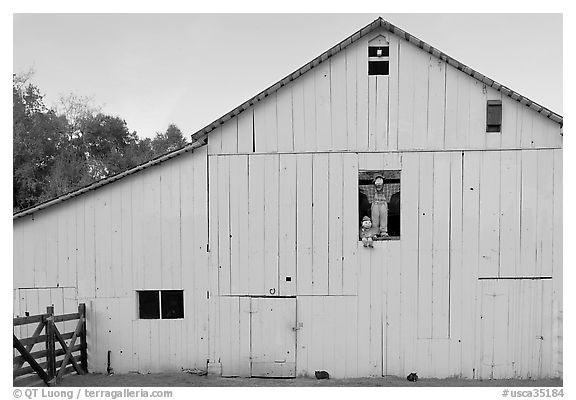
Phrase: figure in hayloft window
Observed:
(380, 207)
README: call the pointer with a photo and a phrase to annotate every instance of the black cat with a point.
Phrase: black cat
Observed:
(322, 375)
(412, 377)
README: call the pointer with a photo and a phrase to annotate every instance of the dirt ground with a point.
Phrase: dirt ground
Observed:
(184, 379)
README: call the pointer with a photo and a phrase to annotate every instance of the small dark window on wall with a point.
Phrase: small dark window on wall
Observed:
(378, 60)
(494, 116)
(379, 204)
(160, 304)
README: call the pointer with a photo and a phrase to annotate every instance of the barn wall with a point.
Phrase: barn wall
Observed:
(424, 104)
(147, 231)
(473, 271)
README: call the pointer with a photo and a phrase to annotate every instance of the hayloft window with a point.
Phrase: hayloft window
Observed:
(494, 116)
(160, 304)
(378, 206)
(378, 60)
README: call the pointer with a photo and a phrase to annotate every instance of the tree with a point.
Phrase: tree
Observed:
(38, 135)
(168, 141)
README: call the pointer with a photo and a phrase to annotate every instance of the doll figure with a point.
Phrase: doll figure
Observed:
(380, 207)
(367, 232)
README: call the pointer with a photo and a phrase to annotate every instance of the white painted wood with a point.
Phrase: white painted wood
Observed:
(528, 217)
(363, 324)
(350, 223)
(511, 126)
(489, 219)
(304, 226)
(273, 344)
(229, 335)
(215, 141)
(284, 111)
(265, 125)
(240, 203)
(382, 83)
(298, 115)
(309, 83)
(493, 139)
(246, 131)
(557, 273)
(372, 106)
(393, 90)
(238, 178)
(323, 116)
(419, 102)
(362, 127)
(470, 260)
(256, 166)
(478, 98)
(510, 191)
(544, 217)
(335, 224)
(338, 99)
(440, 251)
(287, 226)
(425, 243)
(270, 224)
(409, 260)
(223, 225)
(436, 103)
(377, 298)
(351, 98)
(244, 337)
(392, 336)
(230, 136)
(457, 291)
(320, 225)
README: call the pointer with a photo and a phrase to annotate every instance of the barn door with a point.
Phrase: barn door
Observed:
(272, 337)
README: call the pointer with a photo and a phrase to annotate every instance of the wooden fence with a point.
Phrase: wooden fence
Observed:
(48, 363)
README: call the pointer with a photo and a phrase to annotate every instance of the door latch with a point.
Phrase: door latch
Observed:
(300, 325)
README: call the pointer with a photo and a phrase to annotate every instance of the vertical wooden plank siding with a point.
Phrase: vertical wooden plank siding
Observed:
(338, 99)
(510, 190)
(351, 97)
(320, 201)
(456, 290)
(265, 125)
(246, 131)
(362, 126)
(393, 90)
(470, 260)
(350, 226)
(223, 225)
(489, 218)
(372, 106)
(236, 174)
(287, 226)
(557, 273)
(528, 217)
(323, 112)
(436, 104)
(284, 120)
(424, 243)
(545, 207)
(256, 165)
(441, 247)
(230, 136)
(241, 207)
(335, 224)
(270, 224)
(304, 228)
(298, 115)
(409, 259)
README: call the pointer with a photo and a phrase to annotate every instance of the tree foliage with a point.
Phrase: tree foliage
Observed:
(59, 150)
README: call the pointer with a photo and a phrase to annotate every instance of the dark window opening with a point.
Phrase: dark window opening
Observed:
(148, 304)
(379, 203)
(378, 67)
(161, 304)
(172, 304)
(494, 116)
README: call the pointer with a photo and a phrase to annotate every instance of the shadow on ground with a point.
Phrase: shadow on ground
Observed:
(184, 379)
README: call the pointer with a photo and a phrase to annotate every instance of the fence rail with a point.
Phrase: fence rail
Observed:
(50, 370)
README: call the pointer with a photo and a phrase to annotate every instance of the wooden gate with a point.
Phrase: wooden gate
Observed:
(273, 337)
(53, 344)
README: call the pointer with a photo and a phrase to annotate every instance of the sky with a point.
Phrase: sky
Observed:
(190, 69)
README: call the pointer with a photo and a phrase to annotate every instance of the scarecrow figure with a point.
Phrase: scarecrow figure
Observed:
(380, 207)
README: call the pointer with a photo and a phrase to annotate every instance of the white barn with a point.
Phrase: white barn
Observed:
(240, 253)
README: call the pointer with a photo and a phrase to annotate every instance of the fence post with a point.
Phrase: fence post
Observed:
(50, 344)
(84, 349)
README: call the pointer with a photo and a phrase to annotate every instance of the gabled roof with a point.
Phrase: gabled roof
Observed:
(198, 138)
